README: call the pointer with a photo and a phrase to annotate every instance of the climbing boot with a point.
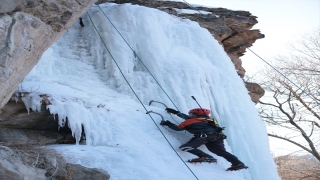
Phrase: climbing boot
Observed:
(203, 159)
(237, 167)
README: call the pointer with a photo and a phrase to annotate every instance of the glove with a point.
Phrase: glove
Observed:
(165, 123)
(222, 136)
(169, 110)
(220, 129)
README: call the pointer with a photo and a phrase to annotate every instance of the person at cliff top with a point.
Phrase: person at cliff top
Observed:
(206, 131)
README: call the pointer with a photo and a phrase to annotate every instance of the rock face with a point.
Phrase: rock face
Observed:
(26, 34)
(256, 91)
(20, 49)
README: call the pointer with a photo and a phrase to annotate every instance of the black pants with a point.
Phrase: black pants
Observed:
(215, 146)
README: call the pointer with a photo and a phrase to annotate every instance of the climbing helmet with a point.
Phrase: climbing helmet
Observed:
(200, 111)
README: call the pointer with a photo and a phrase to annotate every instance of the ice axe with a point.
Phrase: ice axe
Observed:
(157, 102)
(198, 104)
(162, 118)
(164, 106)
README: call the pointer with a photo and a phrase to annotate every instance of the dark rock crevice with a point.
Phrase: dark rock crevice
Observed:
(18, 126)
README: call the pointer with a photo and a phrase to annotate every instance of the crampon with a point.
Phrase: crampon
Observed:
(202, 159)
(237, 167)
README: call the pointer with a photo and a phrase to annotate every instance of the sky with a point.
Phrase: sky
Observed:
(84, 83)
(282, 22)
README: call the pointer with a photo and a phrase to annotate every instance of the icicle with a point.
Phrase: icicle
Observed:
(15, 96)
(36, 103)
(27, 102)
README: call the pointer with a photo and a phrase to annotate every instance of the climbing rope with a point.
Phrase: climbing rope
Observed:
(138, 57)
(138, 97)
(242, 44)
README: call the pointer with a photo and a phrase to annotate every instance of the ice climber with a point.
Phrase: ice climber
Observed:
(206, 131)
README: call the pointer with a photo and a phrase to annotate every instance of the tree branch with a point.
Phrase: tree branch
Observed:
(293, 142)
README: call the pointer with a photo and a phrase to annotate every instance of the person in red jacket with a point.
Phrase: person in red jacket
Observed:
(206, 131)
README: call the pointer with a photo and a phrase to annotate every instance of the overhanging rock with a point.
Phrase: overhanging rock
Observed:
(27, 33)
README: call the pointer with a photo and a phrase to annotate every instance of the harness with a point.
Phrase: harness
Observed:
(219, 132)
(220, 136)
(204, 134)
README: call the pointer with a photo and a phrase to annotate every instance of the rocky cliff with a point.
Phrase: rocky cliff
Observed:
(29, 27)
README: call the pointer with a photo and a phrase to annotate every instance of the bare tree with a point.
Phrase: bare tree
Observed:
(292, 100)
(298, 167)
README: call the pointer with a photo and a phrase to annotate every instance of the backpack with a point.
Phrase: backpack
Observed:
(219, 129)
(215, 124)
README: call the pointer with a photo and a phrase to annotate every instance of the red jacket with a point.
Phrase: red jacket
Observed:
(193, 125)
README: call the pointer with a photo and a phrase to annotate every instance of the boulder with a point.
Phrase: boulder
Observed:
(11, 167)
(28, 163)
(12, 5)
(255, 91)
